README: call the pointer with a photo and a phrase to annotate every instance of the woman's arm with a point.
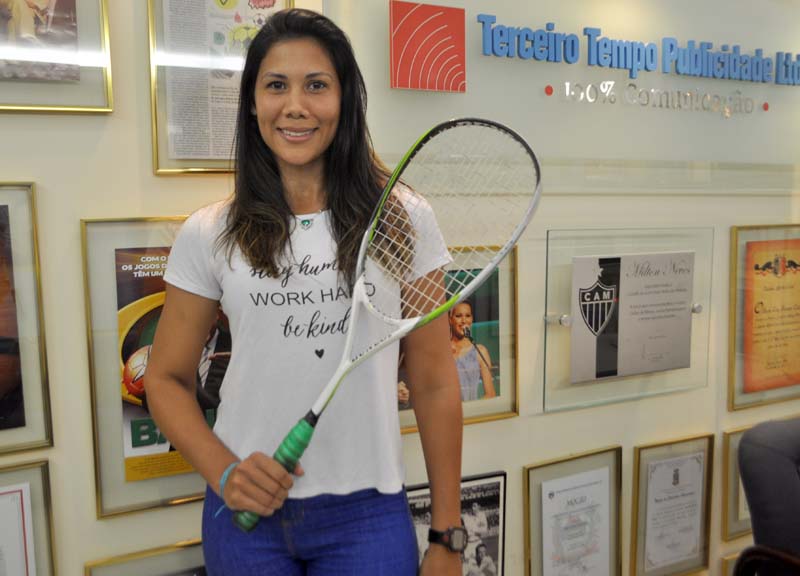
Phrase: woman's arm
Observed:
(485, 362)
(258, 483)
(437, 406)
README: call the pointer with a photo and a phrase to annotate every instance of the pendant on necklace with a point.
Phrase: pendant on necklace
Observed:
(306, 223)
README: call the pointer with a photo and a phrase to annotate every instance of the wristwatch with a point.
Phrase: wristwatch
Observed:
(454, 538)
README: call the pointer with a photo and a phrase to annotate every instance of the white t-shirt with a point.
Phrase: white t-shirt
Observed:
(288, 335)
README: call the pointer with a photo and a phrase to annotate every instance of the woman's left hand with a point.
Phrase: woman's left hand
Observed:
(439, 561)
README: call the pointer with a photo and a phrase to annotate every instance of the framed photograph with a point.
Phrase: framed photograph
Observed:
(626, 314)
(135, 466)
(483, 336)
(24, 395)
(26, 520)
(54, 56)
(483, 513)
(181, 559)
(197, 51)
(671, 506)
(764, 338)
(735, 512)
(572, 514)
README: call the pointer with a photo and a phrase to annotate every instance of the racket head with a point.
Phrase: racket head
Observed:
(469, 185)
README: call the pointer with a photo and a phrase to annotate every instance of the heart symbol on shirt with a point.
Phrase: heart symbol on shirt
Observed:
(319, 353)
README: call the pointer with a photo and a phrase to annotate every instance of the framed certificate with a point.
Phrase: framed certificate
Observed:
(26, 520)
(54, 56)
(735, 512)
(135, 466)
(197, 51)
(483, 512)
(671, 506)
(572, 514)
(180, 559)
(24, 394)
(483, 337)
(764, 336)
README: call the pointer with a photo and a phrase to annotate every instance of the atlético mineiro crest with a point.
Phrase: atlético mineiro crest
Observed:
(597, 305)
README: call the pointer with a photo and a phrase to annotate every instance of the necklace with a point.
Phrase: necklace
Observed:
(307, 221)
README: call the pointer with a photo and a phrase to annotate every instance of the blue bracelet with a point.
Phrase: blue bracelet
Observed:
(224, 478)
(222, 481)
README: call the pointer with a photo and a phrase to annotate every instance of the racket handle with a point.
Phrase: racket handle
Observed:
(287, 455)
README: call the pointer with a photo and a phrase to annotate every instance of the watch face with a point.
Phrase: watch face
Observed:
(458, 539)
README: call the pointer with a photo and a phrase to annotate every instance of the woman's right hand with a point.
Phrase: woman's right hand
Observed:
(258, 484)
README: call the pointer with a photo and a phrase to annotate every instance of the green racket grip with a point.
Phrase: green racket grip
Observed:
(287, 455)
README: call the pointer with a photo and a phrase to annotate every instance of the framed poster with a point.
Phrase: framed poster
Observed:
(180, 559)
(671, 506)
(24, 395)
(626, 314)
(729, 563)
(197, 51)
(483, 337)
(764, 337)
(135, 466)
(572, 515)
(483, 512)
(26, 520)
(735, 512)
(54, 56)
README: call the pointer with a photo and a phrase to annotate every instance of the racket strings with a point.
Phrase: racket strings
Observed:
(475, 182)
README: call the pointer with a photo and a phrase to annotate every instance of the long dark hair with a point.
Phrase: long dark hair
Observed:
(260, 220)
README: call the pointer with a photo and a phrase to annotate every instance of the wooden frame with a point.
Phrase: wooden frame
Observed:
(678, 458)
(71, 51)
(763, 375)
(180, 559)
(585, 469)
(25, 419)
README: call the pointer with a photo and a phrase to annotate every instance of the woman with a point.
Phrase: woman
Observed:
(472, 360)
(279, 257)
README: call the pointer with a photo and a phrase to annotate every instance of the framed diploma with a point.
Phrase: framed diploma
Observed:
(26, 524)
(197, 50)
(483, 337)
(671, 506)
(735, 513)
(572, 515)
(54, 56)
(483, 511)
(24, 394)
(180, 559)
(135, 466)
(764, 337)
(626, 314)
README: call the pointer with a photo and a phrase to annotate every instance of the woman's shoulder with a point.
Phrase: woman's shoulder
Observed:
(209, 219)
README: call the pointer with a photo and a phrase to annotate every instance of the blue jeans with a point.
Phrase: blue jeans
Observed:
(365, 533)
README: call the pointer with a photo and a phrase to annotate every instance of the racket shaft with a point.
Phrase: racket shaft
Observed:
(287, 455)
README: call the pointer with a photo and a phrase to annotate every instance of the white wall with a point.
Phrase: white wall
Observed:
(599, 170)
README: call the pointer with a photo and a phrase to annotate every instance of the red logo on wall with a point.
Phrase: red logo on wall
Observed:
(427, 47)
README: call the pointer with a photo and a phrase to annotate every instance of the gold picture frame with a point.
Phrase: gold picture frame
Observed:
(659, 480)
(735, 513)
(729, 563)
(576, 473)
(25, 418)
(179, 559)
(71, 52)
(26, 487)
(764, 263)
(135, 469)
(172, 73)
(494, 308)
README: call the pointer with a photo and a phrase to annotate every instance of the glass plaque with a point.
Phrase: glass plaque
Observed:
(661, 247)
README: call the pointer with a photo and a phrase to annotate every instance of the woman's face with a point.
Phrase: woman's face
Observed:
(297, 102)
(460, 318)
